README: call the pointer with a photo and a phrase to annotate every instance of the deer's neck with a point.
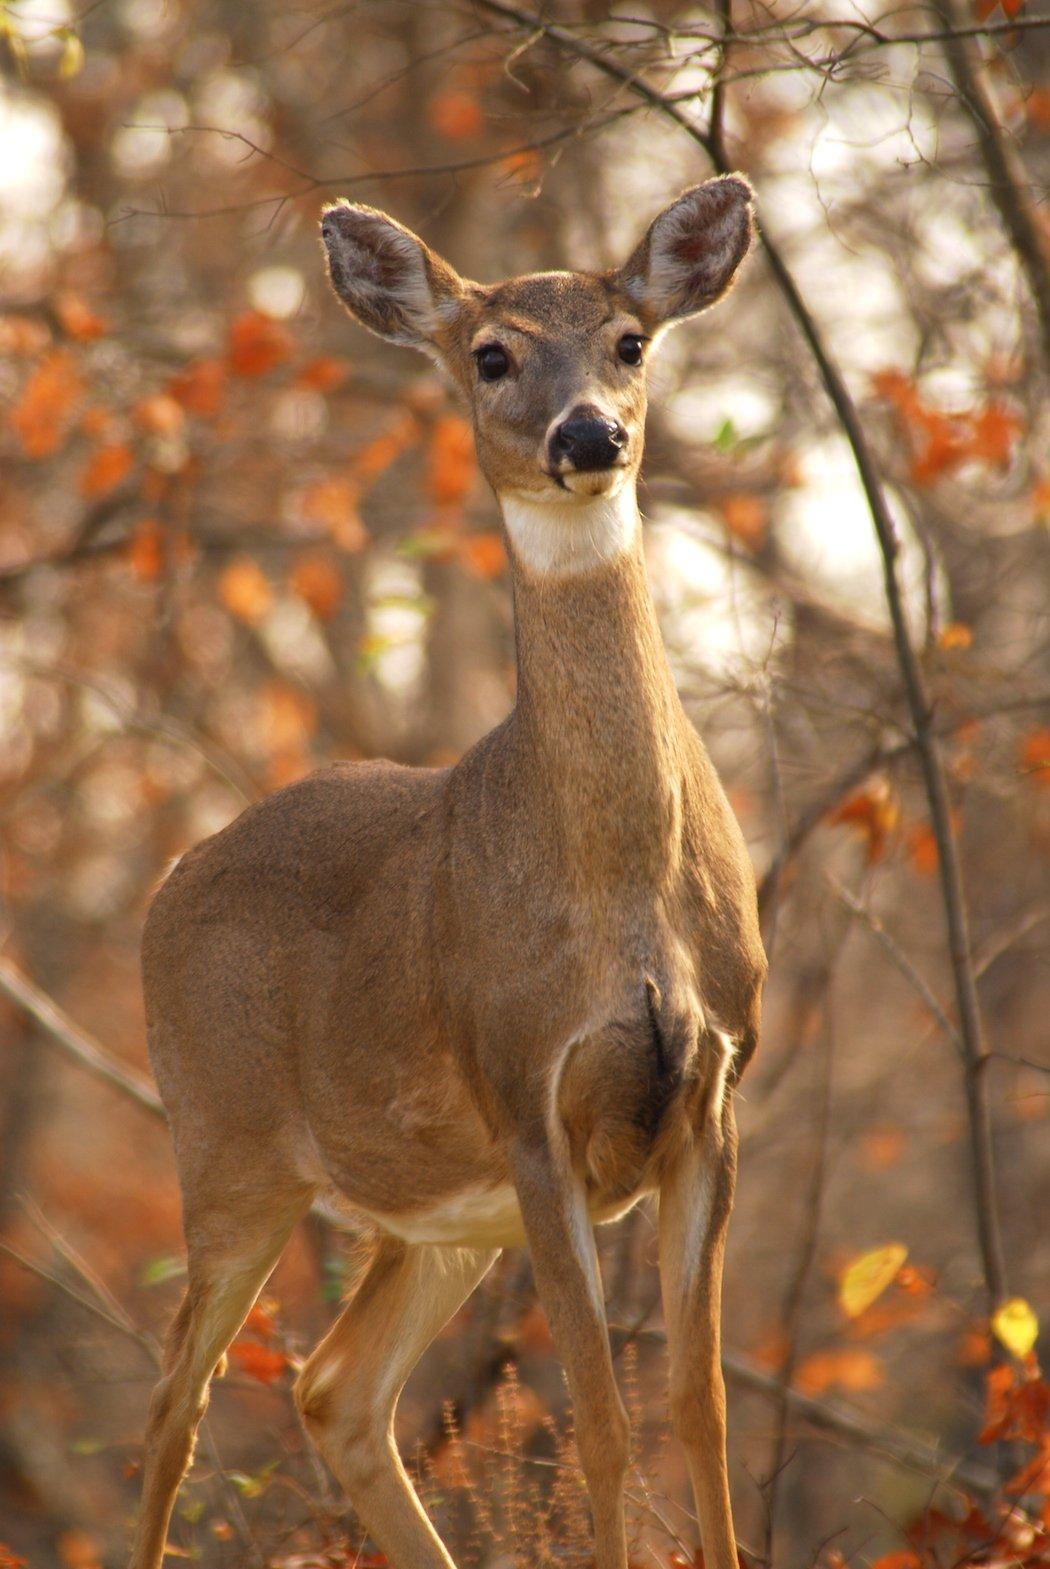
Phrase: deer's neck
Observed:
(597, 718)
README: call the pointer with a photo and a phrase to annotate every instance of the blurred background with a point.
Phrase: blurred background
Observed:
(239, 538)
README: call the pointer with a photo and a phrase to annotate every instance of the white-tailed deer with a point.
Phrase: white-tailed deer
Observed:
(495, 1002)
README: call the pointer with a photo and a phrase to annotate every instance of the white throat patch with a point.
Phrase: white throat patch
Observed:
(560, 538)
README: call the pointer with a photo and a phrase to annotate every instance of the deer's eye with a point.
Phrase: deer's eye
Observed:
(492, 362)
(629, 348)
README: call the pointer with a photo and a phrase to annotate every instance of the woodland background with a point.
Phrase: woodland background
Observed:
(238, 538)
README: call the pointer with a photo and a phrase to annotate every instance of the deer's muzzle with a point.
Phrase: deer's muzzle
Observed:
(586, 441)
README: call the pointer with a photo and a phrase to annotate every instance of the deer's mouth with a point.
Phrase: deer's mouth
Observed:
(592, 482)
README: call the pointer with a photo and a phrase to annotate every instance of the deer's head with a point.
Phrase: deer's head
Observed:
(552, 364)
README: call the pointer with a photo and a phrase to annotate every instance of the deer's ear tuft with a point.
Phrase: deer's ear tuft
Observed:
(387, 278)
(690, 255)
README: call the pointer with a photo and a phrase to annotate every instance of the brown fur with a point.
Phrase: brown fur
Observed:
(418, 990)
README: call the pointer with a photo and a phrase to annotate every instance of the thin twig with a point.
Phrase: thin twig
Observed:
(312, 183)
(854, 775)
(87, 1303)
(896, 956)
(81, 1047)
(794, 1296)
(171, 731)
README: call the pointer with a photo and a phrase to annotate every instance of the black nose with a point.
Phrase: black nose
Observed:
(589, 439)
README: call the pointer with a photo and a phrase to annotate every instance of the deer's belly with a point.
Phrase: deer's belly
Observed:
(482, 1217)
(475, 1217)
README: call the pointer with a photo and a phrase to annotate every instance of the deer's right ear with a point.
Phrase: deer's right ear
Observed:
(386, 277)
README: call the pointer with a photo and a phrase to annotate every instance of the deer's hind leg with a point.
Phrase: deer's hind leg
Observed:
(349, 1388)
(232, 1244)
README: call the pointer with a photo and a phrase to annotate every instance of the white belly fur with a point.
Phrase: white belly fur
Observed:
(480, 1217)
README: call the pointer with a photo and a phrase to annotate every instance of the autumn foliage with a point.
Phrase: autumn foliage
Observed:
(241, 539)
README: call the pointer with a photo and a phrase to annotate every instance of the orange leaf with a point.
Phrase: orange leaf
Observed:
(874, 813)
(376, 456)
(161, 414)
(78, 319)
(1036, 108)
(105, 469)
(772, 1349)
(98, 423)
(942, 449)
(78, 1550)
(1041, 499)
(915, 1281)
(1018, 1405)
(900, 390)
(921, 846)
(22, 335)
(955, 635)
(882, 1148)
(259, 1362)
(992, 435)
(901, 1560)
(40, 417)
(451, 465)
(245, 590)
(256, 344)
(455, 115)
(333, 504)
(974, 1347)
(747, 517)
(534, 1331)
(318, 583)
(1034, 1477)
(145, 550)
(887, 1314)
(847, 1367)
(483, 554)
(261, 1320)
(288, 716)
(1035, 756)
(322, 374)
(10, 1560)
(198, 388)
(524, 163)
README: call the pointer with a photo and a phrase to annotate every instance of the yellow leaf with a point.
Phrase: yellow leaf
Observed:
(1016, 1326)
(868, 1276)
(71, 62)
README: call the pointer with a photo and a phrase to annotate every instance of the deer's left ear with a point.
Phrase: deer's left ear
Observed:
(691, 253)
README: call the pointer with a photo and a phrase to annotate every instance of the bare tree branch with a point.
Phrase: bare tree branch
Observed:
(918, 701)
(1006, 177)
(75, 1042)
(828, 1416)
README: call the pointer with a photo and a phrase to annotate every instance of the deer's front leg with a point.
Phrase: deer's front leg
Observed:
(565, 1263)
(696, 1198)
